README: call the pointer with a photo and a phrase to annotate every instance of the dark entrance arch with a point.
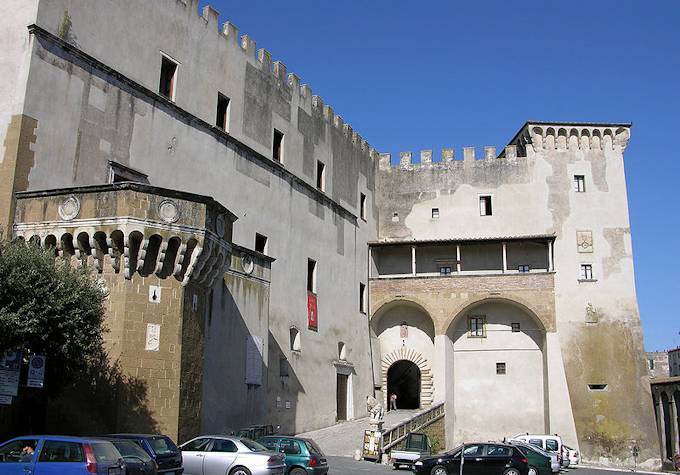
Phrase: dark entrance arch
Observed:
(403, 379)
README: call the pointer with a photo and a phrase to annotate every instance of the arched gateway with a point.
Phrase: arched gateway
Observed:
(407, 373)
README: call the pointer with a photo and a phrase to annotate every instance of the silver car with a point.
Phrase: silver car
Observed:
(229, 455)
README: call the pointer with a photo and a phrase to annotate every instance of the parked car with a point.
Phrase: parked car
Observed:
(255, 432)
(137, 461)
(574, 456)
(417, 445)
(60, 455)
(549, 443)
(477, 458)
(230, 455)
(303, 456)
(161, 448)
(540, 461)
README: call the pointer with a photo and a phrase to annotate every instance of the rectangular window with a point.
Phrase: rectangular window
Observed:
(515, 327)
(523, 268)
(586, 272)
(445, 270)
(485, 206)
(320, 176)
(597, 387)
(362, 206)
(477, 326)
(362, 297)
(277, 148)
(222, 120)
(435, 213)
(579, 183)
(261, 243)
(500, 368)
(168, 80)
(311, 276)
(283, 367)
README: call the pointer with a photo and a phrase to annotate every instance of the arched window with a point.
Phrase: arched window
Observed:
(295, 343)
(342, 351)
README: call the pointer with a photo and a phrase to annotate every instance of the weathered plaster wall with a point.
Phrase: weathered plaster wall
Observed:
(93, 115)
(597, 320)
(16, 130)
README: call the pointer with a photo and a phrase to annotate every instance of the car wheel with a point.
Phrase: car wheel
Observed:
(440, 470)
(532, 471)
(244, 471)
(297, 471)
(395, 466)
(511, 471)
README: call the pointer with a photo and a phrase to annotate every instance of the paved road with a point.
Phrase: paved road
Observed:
(349, 466)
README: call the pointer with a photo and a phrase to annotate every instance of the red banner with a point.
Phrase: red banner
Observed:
(312, 320)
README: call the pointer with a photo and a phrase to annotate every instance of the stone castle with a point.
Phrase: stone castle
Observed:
(265, 265)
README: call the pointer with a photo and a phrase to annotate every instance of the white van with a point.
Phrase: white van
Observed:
(549, 443)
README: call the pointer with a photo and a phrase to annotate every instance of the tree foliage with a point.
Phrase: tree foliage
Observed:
(48, 307)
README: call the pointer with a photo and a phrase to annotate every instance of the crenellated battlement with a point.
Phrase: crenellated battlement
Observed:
(278, 70)
(447, 158)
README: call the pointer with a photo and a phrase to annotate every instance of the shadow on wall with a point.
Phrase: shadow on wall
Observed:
(102, 400)
(284, 388)
(238, 322)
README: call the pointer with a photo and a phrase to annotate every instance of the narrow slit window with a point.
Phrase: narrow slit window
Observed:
(586, 272)
(261, 243)
(579, 183)
(311, 276)
(485, 205)
(277, 150)
(362, 297)
(168, 81)
(222, 120)
(500, 368)
(435, 213)
(362, 206)
(320, 176)
(597, 387)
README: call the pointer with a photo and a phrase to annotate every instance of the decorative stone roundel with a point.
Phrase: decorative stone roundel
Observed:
(69, 208)
(247, 263)
(220, 225)
(168, 211)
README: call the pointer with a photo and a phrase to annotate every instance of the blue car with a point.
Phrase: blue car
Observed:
(60, 455)
(161, 448)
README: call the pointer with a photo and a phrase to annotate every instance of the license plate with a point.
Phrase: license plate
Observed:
(115, 471)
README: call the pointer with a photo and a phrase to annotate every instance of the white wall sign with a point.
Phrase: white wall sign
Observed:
(36, 371)
(153, 337)
(154, 294)
(9, 382)
(254, 346)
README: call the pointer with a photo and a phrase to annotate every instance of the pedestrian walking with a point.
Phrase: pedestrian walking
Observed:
(393, 402)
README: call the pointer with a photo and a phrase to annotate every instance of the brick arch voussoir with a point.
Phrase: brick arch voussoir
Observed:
(415, 357)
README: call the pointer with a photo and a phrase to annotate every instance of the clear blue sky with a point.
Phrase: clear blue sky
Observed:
(420, 75)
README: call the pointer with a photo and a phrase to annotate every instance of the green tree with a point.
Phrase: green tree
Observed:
(48, 307)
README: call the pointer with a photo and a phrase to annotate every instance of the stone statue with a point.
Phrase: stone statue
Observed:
(375, 409)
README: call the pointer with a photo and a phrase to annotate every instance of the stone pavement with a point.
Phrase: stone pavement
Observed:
(344, 438)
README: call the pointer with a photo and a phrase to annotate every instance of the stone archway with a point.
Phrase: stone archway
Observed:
(426, 380)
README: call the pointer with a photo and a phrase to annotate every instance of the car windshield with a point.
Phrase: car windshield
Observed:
(253, 446)
(163, 445)
(551, 444)
(131, 449)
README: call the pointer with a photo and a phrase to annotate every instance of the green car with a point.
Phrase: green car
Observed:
(303, 456)
(539, 464)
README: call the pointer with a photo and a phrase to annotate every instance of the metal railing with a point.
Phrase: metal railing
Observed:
(396, 434)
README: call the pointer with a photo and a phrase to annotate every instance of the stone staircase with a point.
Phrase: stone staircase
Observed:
(344, 438)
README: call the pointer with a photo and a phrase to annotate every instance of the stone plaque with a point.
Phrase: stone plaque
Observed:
(153, 337)
(69, 208)
(584, 241)
(168, 211)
